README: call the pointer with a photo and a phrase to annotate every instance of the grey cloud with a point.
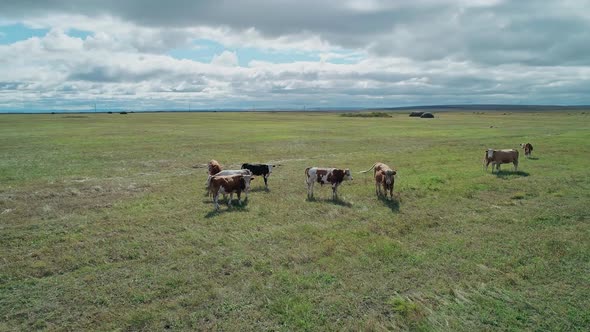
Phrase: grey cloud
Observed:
(106, 74)
(527, 32)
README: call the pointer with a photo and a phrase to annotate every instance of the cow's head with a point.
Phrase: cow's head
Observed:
(522, 145)
(490, 153)
(389, 176)
(347, 174)
(246, 182)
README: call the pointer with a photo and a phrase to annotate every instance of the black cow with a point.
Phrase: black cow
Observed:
(263, 170)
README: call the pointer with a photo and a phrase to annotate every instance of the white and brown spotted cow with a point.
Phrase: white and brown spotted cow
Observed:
(333, 176)
(229, 184)
(498, 157)
(528, 149)
(214, 167)
(384, 176)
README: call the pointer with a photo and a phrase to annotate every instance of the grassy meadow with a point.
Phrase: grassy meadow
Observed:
(105, 224)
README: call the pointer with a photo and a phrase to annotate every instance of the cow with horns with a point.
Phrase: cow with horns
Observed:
(384, 177)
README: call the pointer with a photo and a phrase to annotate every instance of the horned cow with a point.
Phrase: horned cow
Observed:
(498, 157)
(333, 176)
(384, 176)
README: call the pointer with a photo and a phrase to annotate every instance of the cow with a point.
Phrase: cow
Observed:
(263, 170)
(528, 149)
(230, 184)
(228, 172)
(333, 176)
(214, 167)
(498, 157)
(384, 176)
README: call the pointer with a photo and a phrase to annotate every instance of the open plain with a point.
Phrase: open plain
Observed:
(105, 223)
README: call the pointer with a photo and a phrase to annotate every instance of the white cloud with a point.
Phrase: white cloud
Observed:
(377, 51)
(226, 58)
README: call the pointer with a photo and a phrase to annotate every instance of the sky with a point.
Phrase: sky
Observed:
(280, 54)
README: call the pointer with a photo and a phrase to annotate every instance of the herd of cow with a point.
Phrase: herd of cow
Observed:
(237, 181)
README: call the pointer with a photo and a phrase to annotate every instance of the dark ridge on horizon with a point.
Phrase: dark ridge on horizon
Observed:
(440, 108)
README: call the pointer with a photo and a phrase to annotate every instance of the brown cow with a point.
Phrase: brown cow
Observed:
(214, 167)
(333, 176)
(228, 172)
(228, 185)
(384, 176)
(528, 149)
(498, 157)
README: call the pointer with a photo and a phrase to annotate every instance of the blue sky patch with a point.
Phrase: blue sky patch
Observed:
(13, 33)
(78, 33)
(204, 50)
(16, 32)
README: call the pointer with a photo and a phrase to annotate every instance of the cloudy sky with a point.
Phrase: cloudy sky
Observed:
(176, 54)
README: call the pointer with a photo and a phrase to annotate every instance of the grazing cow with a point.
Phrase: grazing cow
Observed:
(384, 176)
(229, 185)
(263, 170)
(228, 172)
(214, 167)
(498, 157)
(528, 149)
(333, 176)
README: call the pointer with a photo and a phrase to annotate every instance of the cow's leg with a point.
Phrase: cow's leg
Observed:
(239, 193)
(334, 191)
(266, 181)
(515, 165)
(215, 197)
(310, 189)
(377, 189)
(391, 190)
(231, 197)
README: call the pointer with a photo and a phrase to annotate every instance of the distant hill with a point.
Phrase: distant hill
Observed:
(429, 108)
(488, 107)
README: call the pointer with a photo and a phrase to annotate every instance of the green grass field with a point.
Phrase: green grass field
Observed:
(105, 224)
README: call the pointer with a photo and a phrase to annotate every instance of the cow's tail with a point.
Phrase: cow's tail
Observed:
(368, 169)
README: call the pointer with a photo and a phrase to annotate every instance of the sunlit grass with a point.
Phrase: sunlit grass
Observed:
(105, 224)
